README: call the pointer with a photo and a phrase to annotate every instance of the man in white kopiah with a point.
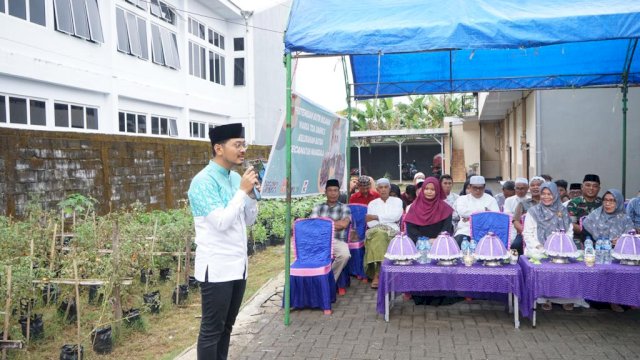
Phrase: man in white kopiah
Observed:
(473, 202)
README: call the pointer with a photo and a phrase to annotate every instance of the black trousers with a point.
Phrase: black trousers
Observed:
(220, 305)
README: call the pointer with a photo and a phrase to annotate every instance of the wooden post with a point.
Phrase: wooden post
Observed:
(7, 312)
(153, 244)
(115, 258)
(187, 260)
(32, 294)
(178, 282)
(52, 259)
(77, 285)
(62, 229)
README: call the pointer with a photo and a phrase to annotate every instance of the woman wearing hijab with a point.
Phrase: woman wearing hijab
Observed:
(429, 214)
(547, 216)
(609, 221)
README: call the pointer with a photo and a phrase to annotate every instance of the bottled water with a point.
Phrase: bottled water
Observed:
(423, 247)
(472, 246)
(588, 242)
(589, 254)
(599, 251)
(464, 246)
(606, 252)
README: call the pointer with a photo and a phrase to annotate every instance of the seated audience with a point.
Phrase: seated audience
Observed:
(471, 203)
(364, 195)
(430, 214)
(341, 216)
(408, 196)
(542, 220)
(575, 190)
(418, 178)
(395, 191)
(633, 210)
(510, 205)
(383, 215)
(446, 184)
(562, 190)
(583, 205)
(508, 190)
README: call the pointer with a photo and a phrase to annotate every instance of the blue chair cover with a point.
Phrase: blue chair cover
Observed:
(358, 222)
(496, 222)
(313, 251)
(358, 216)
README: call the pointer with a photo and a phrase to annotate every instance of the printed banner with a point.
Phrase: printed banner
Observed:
(318, 152)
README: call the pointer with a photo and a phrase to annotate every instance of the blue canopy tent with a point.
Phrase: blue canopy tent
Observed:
(406, 47)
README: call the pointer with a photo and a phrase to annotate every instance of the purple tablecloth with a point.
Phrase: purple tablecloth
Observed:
(477, 278)
(615, 283)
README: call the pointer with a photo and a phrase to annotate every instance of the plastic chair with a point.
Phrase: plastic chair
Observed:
(355, 265)
(496, 222)
(312, 281)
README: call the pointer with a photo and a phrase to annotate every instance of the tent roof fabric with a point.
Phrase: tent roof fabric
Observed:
(422, 46)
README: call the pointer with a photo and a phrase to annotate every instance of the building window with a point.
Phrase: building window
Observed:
(216, 68)
(132, 34)
(30, 10)
(238, 71)
(216, 39)
(3, 106)
(163, 10)
(197, 61)
(132, 123)
(75, 116)
(238, 44)
(196, 28)
(23, 111)
(142, 4)
(164, 47)
(164, 126)
(197, 129)
(80, 18)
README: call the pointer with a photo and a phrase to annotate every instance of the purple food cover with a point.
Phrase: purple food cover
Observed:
(445, 247)
(627, 247)
(402, 247)
(490, 247)
(561, 245)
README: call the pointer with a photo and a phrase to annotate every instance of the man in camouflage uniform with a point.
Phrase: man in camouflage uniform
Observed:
(585, 204)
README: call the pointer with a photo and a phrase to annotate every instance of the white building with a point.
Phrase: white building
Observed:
(140, 67)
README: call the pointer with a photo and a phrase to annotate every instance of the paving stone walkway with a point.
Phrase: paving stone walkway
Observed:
(465, 330)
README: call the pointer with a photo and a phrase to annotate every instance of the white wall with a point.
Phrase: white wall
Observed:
(37, 61)
(582, 133)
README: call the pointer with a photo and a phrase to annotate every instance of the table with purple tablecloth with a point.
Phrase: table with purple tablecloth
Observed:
(506, 279)
(612, 283)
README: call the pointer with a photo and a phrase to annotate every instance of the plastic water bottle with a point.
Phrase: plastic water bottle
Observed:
(472, 246)
(606, 252)
(465, 246)
(599, 251)
(588, 242)
(423, 246)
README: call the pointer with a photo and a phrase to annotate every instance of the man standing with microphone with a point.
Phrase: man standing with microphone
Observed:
(223, 205)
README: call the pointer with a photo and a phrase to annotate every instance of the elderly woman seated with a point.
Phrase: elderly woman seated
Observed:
(547, 216)
(609, 221)
(383, 215)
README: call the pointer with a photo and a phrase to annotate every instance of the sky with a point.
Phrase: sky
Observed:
(320, 80)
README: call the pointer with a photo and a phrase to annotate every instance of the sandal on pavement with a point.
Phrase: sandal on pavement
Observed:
(616, 308)
(547, 306)
(567, 307)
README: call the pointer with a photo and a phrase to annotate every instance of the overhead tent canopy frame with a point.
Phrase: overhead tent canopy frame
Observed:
(399, 136)
(409, 47)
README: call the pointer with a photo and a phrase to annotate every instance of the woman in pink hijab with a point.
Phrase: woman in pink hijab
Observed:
(429, 214)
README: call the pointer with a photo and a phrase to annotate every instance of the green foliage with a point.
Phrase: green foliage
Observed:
(77, 203)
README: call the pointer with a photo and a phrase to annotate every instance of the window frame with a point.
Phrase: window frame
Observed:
(28, 101)
(201, 127)
(134, 35)
(136, 125)
(83, 108)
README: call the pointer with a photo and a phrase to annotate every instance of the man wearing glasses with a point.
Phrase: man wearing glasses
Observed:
(223, 205)
(584, 205)
(473, 202)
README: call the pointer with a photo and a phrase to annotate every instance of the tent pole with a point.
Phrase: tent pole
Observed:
(348, 154)
(287, 242)
(625, 89)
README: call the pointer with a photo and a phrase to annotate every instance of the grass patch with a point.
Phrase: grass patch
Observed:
(161, 336)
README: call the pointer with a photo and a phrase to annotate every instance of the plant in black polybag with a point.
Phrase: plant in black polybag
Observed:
(70, 352)
(182, 293)
(152, 301)
(102, 340)
(36, 326)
